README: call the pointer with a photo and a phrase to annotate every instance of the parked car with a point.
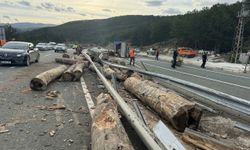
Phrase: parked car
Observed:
(15, 52)
(42, 46)
(61, 48)
(51, 45)
(187, 52)
(151, 51)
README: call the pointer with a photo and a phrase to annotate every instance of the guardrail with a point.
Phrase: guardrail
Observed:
(232, 102)
(139, 127)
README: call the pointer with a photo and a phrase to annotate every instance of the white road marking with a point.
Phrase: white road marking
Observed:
(238, 76)
(60, 100)
(76, 120)
(232, 84)
(12, 67)
(88, 98)
(218, 72)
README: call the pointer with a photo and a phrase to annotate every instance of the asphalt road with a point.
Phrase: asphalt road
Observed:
(28, 124)
(236, 84)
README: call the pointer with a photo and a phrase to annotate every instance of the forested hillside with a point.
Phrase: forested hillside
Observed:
(212, 28)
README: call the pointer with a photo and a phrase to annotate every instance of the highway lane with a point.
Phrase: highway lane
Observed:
(234, 84)
(29, 126)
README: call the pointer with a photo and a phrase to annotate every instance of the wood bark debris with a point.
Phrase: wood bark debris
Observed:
(67, 61)
(53, 93)
(107, 132)
(205, 142)
(3, 129)
(166, 103)
(41, 81)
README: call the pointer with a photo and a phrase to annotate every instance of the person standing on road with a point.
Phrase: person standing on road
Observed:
(132, 56)
(175, 54)
(78, 50)
(204, 59)
(157, 54)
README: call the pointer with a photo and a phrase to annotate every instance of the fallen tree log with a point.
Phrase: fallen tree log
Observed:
(117, 61)
(41, 81)
(107, 132)
(107, 72)
(91, 67)
(65, 55)
(205, 142)
(77, 71)
(68, 75)
(67, 61)
(167, 104)
(120, 75)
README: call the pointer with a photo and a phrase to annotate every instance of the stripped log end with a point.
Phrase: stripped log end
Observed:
(68, 76)
(181, 120)
(37, 84)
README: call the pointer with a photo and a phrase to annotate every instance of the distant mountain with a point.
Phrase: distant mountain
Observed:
(210, 28)
(28, 26)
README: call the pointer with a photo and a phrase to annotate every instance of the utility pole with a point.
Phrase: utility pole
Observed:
(238, 40)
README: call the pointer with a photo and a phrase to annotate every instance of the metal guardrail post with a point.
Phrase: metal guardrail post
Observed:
(113, 80)
(139, 127)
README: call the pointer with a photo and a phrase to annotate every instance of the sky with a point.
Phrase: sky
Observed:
(62, 11)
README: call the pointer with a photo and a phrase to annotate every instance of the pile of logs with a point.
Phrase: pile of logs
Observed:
(72, 73)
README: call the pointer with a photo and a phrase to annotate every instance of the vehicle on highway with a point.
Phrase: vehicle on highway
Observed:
(42, 46)
(187, 52)
(151, 51)
(61, 47)
(51, 45)
(16, 52)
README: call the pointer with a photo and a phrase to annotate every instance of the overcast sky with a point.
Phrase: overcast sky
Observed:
(61, 11)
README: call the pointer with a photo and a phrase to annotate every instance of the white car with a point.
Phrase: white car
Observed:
(42, 46)
(51, 45)
(60, 47)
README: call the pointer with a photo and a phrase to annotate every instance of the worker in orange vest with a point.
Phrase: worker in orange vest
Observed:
(132, 56)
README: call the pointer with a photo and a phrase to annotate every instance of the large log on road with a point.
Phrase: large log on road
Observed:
(107, 132)
(67, 61)
(68, 74)
(41, 81)
(107, 71)
(166, 103)
(78, 70)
